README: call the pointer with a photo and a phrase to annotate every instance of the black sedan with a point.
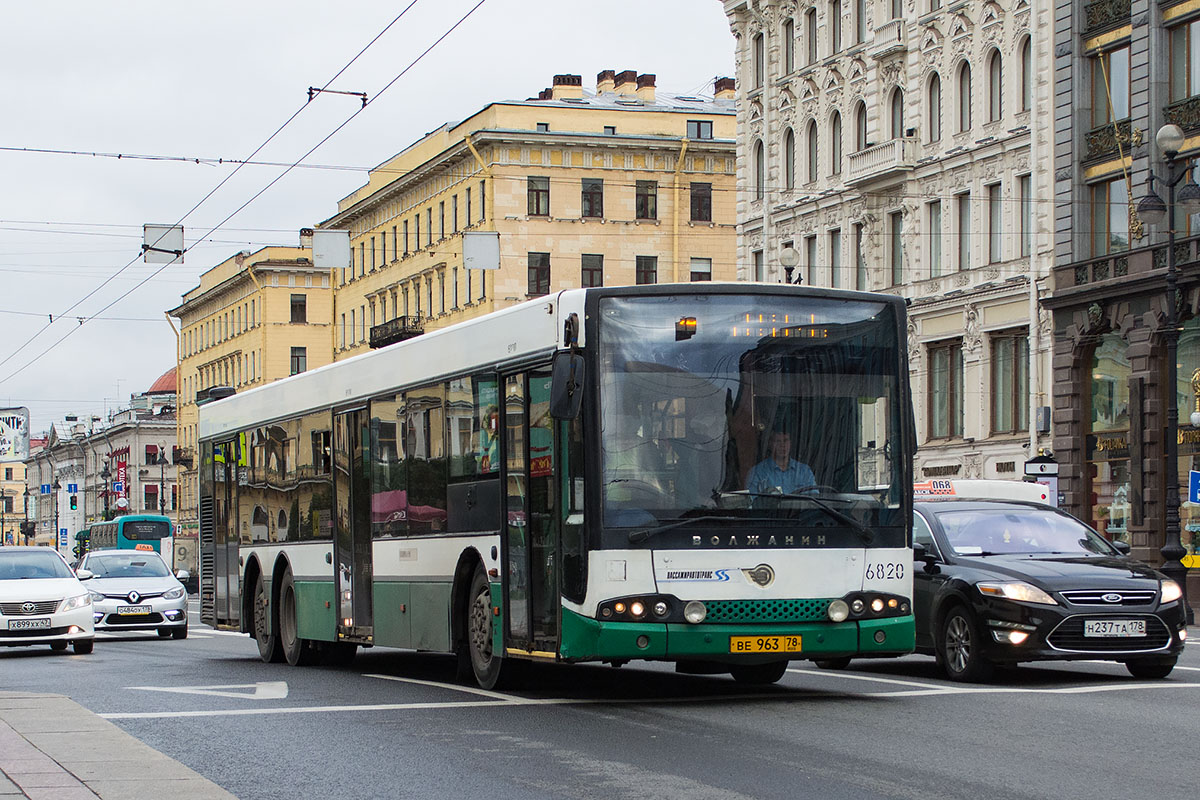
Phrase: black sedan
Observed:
(1002, 582)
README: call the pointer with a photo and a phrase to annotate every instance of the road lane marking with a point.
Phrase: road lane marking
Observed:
(867, 678)
(263, 690)
(455, 686)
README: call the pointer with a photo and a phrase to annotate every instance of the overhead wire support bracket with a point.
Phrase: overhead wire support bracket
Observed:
(148, 249)
(313, 91)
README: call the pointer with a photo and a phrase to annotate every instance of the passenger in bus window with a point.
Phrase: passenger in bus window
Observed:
(779, 473)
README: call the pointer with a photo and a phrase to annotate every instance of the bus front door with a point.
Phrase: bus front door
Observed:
(225, 530)
(531, 532)
(352, 512)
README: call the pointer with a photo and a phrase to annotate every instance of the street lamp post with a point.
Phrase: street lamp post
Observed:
(25, 528)
(56, 488)
(4, 513)
(162, 479)
(1152, 209)
(104, 476)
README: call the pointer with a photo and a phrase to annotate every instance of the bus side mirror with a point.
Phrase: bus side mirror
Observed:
(566, 385)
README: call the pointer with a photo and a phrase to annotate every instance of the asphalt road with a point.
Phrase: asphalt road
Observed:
(394, 724)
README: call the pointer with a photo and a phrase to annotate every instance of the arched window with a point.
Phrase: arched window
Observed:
(812, 152)
(760, 170)
(789, 45)
(995, 87)
(860, 126)
(835, 144)
(789, 159)
(810, 33)
(935, 108)
(964, 98)
(760, 61)
(1026, 74)
(897, 113)
(835, 25)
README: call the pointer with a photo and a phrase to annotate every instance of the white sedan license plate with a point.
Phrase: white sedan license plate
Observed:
(1114, 627)
(28, 624)
(133, 609)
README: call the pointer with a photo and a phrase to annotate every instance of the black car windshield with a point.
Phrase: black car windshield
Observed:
(994, 531)
(32, 563)
(133, 565)
(745, 407)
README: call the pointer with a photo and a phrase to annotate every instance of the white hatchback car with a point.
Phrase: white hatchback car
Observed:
(43, 602)
(133, 590)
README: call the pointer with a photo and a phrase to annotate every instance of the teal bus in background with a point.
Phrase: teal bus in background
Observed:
(134, 532)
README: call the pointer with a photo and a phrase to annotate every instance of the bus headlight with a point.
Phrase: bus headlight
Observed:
(695, 612)
(839, 611)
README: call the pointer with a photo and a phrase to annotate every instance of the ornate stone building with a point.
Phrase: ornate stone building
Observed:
(905, 147)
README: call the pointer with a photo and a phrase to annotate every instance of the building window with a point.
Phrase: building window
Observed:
(1027, 74)
(150, 497)
(759, 56)
(593, 271)
(1110, 217)
(299, 309)
(935, 108)
(860, 127)
(441, 220)
(897, 9)
(646, 200)
(860, 259)
(897, 113)
(591, 197)
(543, 127)
(1025, 189)
(995, 223)
(539, 196)
(964, 98)
(429, 226)
(454, 213)
(760, 266)
(1110, 86)
(646, 271)
(467, 208)
(373, 264)
(789, 159)
(835, 258)
(935, 238)
(835, 144)
(962, 204)
(405, 237)
(810, 34)
(699, 129)
(151, 455)
(299, 360)
(1185, 60)
(1107, 448)
(813, 153)
(701, 202)
(810, 259)
(1010, 382)
(860, 21)
(945, 389)
(896, 246)
(701, 270)
(995, 87)
(835, 25)
(610, 130)
(539, 274)
(789, 45)
(482, 201)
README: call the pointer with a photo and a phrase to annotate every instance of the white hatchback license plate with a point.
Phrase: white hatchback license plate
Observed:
(28, 624)
(133, 609)
(1114, 627)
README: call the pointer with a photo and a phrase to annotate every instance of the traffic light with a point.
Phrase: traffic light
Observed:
(78, 551)
(74, 502)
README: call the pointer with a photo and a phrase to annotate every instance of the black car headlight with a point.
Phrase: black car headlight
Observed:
(1016, 590)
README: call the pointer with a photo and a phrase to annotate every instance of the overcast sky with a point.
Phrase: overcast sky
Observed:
(214, 80)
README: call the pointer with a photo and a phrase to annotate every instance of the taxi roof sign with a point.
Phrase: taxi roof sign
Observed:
(968, 489)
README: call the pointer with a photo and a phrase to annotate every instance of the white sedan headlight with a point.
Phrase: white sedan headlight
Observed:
(97, 597)
(1170, 591)
(174, 594)
(72, 603)
(1017, 590)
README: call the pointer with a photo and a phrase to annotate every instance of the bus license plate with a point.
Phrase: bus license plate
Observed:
(1114, 627)
(764, 644)
(133, 609)
(28, 624)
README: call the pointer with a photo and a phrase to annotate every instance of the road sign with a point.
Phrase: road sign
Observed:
(1194, 486)
(62, 537)
(45, 488)
(118, 487)
(1041, 466)
(72, 488)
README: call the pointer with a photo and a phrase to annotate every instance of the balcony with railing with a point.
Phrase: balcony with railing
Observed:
(879, 162)
(890, 39)
(396, 330)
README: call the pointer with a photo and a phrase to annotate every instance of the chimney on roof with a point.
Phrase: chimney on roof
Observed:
(725, 89)
(627, 82)
(645, 88)
(606, 81)
(568, 86)
(546, 94)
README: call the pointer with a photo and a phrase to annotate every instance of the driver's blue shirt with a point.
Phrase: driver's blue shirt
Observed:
(767, 478)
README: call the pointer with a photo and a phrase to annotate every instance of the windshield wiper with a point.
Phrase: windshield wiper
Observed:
(637, 537)
(863, 531)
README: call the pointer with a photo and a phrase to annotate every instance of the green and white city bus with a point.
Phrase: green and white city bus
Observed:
(714, 475)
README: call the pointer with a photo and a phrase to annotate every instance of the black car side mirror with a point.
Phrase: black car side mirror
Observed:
(920, 554)
(1122, 547)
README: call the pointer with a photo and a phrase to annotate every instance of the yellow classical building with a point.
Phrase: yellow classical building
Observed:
(622, 185)
(253, 319)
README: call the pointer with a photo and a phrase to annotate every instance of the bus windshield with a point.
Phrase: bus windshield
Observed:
(776, 409)
(145, 530)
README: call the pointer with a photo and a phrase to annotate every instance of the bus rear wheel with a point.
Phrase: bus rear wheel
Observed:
(486, 664)
(264, 632)
(760, 674)
(296, 651)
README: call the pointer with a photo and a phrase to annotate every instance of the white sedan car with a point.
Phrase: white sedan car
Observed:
(133, 590)
(43, 602)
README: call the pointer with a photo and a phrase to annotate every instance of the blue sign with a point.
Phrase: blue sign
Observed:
(1194, 486)
(72, 488)
(118, 487)
(62, 537)
(45, 488)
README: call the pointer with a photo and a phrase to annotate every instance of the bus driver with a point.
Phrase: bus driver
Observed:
(779, 473)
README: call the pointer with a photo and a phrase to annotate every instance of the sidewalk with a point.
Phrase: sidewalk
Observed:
(52, 748)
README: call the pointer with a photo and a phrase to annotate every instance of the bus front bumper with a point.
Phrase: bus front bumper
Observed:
(586, 639)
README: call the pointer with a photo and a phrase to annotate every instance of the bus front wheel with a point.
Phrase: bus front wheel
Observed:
(296, 651)
(264, 632)
(486, 664)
